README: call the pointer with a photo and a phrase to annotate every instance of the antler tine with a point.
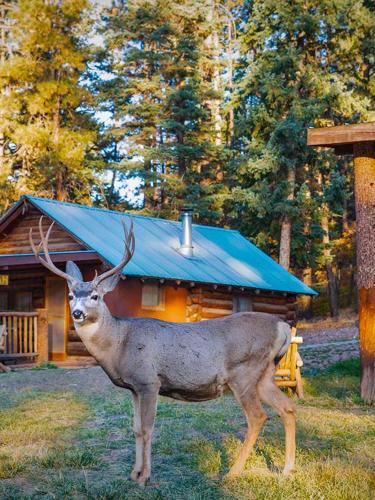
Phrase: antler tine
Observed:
(129, 241)
(47, 262)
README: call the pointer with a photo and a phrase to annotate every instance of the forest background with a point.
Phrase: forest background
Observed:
(151, 105)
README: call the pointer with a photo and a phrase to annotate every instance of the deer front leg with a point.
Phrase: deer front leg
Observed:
(137, 429)
(147, 406)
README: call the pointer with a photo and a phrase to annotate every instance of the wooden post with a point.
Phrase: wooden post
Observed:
(42, 343)
(364, 175)
(359, 140)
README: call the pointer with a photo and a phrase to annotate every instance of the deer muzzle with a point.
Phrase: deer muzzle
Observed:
(78, 315)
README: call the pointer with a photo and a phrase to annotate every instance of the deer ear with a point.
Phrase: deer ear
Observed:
(73, 271)
(109, 284)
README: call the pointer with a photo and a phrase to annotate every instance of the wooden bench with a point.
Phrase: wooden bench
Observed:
(288, 371)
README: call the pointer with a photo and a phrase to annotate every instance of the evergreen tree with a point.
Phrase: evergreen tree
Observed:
(166, 102)
(6, 118)
(52, 129)
(298, 59)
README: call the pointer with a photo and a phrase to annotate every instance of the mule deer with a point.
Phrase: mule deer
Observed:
(185, 361)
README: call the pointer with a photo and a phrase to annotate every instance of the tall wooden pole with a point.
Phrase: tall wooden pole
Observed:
(359, 140)
(364, 175)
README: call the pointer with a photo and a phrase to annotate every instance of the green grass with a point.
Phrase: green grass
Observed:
(66, 434)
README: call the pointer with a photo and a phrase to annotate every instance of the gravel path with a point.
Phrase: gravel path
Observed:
(325, 346)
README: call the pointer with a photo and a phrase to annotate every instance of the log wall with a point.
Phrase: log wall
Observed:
(14, 239)
(203, 303)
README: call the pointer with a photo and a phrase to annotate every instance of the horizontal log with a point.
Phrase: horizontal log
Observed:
(22, 233)
(61, 245)
(19, 355)
(216, 295)
(269, 300)
(282, 372)
(73, 336)
(211, 315)
(270, 308)
(215, 310)
(286, 383)
(341, 134)
(221, 304)
(77, 349)
(19, 314)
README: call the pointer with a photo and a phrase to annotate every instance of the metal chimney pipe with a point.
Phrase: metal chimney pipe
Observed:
(187, 232)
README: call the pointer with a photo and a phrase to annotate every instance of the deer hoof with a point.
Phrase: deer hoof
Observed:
(134, 475)
(287, 471)
(232, 474)
(143, 480)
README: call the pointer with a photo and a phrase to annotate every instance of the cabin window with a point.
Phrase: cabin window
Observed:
(153, 296)
(241, 303)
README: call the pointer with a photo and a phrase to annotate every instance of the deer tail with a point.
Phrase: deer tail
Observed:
(284, 337)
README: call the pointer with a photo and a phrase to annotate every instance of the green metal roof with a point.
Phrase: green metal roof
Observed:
(221, 256)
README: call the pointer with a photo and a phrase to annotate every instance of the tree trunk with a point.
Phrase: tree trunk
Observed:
(60, 189)
(286, 224)
(364, 178)
(306, 300)
(213, 50)
(230, 129)
(331, 276)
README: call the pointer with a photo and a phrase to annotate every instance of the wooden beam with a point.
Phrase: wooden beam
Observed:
(341, 135)
(20, 260)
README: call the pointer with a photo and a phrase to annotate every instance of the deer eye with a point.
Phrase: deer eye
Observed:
(94, 297)
(71, 296)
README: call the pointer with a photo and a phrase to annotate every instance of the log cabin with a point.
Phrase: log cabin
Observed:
(180, 272)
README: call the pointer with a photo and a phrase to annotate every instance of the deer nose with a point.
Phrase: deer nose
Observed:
(77, 314)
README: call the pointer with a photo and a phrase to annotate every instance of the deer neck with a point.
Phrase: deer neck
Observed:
(99, 337)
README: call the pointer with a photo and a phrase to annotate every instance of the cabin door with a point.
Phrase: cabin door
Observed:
(57, 321)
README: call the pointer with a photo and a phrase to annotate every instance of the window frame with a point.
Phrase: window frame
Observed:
(236, 300)
(161, 298)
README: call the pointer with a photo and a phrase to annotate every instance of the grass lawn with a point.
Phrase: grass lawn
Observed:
(67, 434)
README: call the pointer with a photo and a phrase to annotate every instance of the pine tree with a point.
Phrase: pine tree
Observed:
(298, 59)
(166, 100)
(52, 129)
(6, 118)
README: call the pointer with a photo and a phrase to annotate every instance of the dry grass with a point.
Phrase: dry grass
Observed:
(347, 317)
(67, 434)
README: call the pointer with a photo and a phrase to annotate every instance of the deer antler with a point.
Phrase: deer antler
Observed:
(47, 261)
(129, 241)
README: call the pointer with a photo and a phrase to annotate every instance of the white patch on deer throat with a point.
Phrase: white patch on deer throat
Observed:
(87, 330)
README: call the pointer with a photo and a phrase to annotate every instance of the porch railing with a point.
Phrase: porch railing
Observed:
(22, 332)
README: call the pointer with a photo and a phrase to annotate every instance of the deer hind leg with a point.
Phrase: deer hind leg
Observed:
(147, 407)
(285, 407)
(256, 417)
(137, 429)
